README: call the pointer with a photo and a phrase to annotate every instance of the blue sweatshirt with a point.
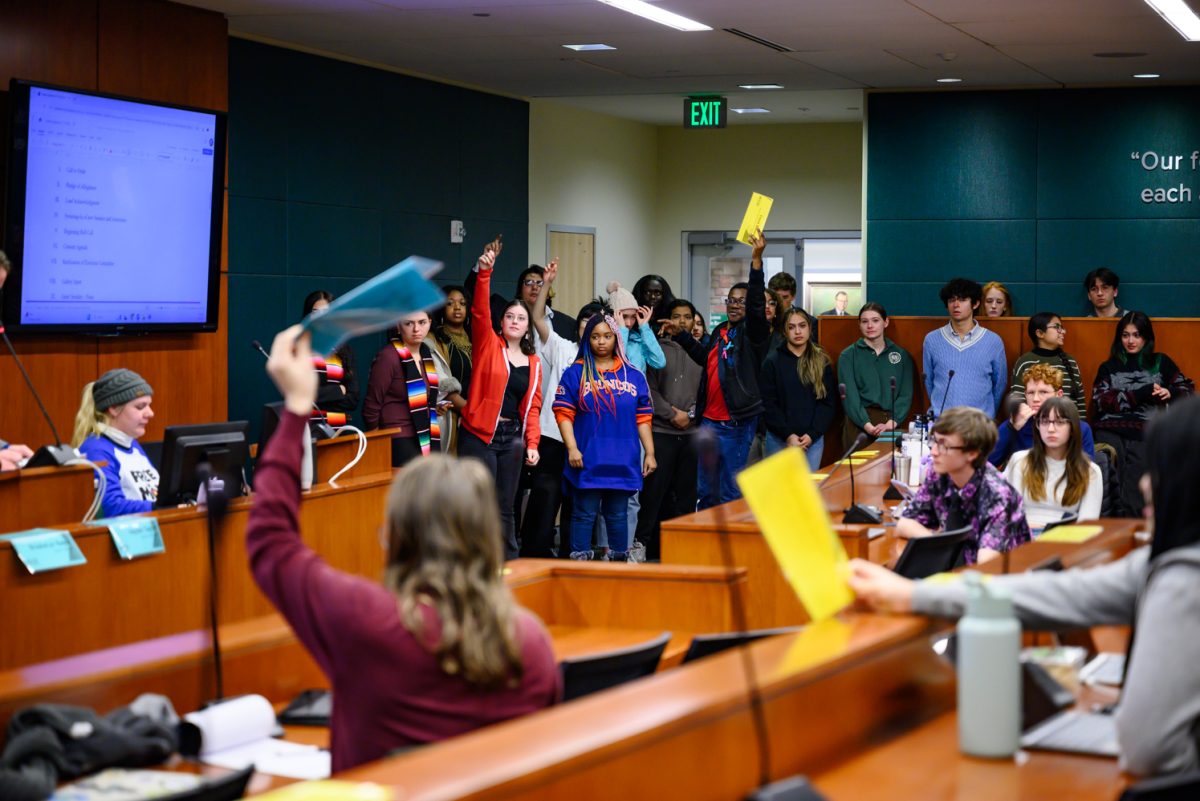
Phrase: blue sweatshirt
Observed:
(979, 364)
(641, 348)
(608, 441)
(132, 481)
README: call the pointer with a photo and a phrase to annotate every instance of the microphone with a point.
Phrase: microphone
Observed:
(857, 512)
(945, 394)
(892, 493)
(859, 441)
(258, 347)
(58, 454)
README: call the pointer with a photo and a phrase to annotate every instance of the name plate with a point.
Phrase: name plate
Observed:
(135, 536)
(42, 549)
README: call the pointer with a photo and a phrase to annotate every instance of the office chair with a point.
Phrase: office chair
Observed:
(1177, 787)
(224, 788)
(591, 674)
(1069, 519)
(703, 645)
(925, 556)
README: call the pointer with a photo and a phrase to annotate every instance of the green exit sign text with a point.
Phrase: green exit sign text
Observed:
(705, 112)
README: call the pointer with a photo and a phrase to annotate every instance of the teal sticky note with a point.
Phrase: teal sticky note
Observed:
(42, 549)
(376, 304)
(135, 536)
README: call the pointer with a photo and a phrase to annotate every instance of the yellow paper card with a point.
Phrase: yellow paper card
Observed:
(330, 791)
(1070, 534)
(854, 460)
(756, 217)
(819, 476)
(866, 453)
(791, 514)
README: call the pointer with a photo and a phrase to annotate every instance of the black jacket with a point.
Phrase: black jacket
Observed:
(791, 407)
(747, 347)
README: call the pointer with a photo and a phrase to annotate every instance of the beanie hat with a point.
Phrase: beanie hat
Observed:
(117, 387)
(620, 298)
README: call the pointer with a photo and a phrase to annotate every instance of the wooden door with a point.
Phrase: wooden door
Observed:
(576, 254)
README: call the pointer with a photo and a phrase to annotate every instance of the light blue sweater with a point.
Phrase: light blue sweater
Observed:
(979, 365)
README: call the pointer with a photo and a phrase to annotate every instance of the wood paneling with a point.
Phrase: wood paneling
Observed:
(45, 496)
(142, 48)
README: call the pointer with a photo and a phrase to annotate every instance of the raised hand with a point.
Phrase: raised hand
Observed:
(758, 243)
(291, 368)
(643, 314)
(551, 271)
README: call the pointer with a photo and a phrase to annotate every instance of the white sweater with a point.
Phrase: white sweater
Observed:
(1051, 507)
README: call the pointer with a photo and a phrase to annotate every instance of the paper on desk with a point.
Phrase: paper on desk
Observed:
(236, 733)
(791, 514)
(756, 217)
(376, 304)
(854, 460)
(329, 791)
(1070, 534)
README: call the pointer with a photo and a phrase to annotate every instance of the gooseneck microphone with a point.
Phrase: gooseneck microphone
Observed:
(945, 394)
(56, 455)
(892, 493)
(857, 512)
(258, 347)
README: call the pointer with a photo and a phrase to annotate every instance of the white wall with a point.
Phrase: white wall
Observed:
(593, 170)
(641, 186)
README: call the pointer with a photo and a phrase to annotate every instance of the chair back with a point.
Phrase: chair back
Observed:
(708, 644)
(925, 556)
(1068, 519)
(591, 674)
(1175, 787)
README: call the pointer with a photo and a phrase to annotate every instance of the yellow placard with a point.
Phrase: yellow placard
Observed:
(1070, 534)
(819, 476)
(330, 791)
(792, 516)
(866, 453)
(756, 217)
(854, 460)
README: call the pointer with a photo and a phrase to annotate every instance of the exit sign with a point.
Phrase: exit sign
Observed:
(705, 112)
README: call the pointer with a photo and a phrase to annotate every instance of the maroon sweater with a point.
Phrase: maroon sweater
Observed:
(388, 689)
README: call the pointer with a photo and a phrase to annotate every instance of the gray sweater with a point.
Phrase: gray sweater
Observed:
(1160, 704)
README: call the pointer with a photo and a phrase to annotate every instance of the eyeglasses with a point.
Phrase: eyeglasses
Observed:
(533, 282)
(1056, 326)
(940, 444)
(735, 301)
(1053, 422)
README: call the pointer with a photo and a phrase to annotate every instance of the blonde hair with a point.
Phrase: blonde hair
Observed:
(89, 421)
(445, 553)
(810, 366)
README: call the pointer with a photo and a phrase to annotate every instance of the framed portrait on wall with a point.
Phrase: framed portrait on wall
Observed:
(823, 297)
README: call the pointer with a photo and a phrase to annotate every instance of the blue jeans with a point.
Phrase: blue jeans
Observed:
(774, 445)
(733, 446)
(613, 505)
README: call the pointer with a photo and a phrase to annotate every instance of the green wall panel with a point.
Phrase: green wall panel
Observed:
(258, 243)
(953, 156)
(1157, 251)
(986, 250)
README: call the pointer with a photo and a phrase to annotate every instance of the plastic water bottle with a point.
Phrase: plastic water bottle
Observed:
(989, 672)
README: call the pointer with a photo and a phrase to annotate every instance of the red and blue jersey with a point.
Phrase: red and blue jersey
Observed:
(606, 427)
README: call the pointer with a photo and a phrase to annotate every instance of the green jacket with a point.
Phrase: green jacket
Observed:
(866, 377)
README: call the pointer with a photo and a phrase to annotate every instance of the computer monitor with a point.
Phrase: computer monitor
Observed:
(185, 448)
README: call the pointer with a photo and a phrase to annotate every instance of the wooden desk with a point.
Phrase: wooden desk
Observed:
(45, 496)
(334, 454)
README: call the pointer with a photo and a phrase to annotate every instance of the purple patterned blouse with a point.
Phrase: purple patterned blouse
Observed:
(987, 503)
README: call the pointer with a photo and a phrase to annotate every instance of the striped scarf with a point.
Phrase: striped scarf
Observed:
(422, 383)
(330, 371)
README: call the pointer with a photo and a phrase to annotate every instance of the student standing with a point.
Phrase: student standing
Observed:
(963, 490)
(1041, 383)
(974, 354)
(798, 392)
(670, 491)
(440, 647)
(337, 393)
(113, 415)
(531, 279)
(402, 392)
(653, 292)
(603, 409)
(452, 346)
(1129, 388)
(997, 302)
(1102, 286)
(1155, 590)
(1054, 477)
(730, 403)
(867, 368)
(502, 411)
(1048, 335)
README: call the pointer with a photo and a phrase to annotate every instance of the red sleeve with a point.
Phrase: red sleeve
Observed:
(481, 309)
(533, 427)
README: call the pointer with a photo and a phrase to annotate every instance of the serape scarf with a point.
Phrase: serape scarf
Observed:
(422, 383)
(332, 372)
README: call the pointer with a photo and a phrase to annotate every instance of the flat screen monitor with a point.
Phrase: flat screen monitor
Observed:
(185, 448)
(113, 213)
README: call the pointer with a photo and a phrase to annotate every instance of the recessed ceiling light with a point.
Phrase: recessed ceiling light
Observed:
(1179, 16)
(949, 80)
(750, 110)
(589, 47)
(1147, 75)
(656, 14)
(760, 86)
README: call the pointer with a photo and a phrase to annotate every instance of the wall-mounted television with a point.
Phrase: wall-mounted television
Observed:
(113, 214)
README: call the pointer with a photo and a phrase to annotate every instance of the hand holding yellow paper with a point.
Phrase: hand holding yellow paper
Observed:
(756, 217)
(792, 516)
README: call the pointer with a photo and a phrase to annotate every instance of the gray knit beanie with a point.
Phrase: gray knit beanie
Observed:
(117, 387)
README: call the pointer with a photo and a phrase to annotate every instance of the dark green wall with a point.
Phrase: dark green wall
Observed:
(338, 171)
(1033, 189)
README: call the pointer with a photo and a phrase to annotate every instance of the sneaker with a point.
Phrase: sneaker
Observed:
(637, 552)
(581, 556)
(619, 556)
